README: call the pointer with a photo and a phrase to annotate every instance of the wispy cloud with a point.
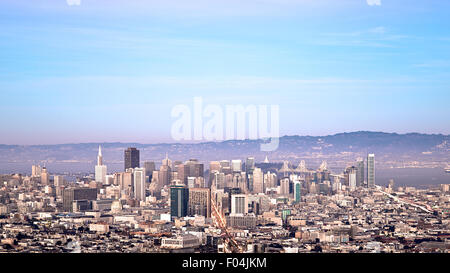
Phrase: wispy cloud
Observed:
(73, 2)
(433, 64)
(374, 2)
(373, 37)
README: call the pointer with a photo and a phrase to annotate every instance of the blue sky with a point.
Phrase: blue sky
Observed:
(113, 70)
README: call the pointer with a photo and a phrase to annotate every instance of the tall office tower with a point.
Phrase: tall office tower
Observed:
(182, 172)
(239, 204)
(100, 169)
(284, 187)
(258, 181)
(165, 176)
(58, 180)
(214, 166)
(179, 201)
(313, 188)
(218, 180)
(371, 170)
(199, 202)
(360, 173)
(228, 181)
(149, 167)
(297, 191)
(337, 186)
(249, 164)
(77, 194)
(352, 178)
(155, 189)
(236, 166)
(45, 178)
(239, 181)
(125, 181)
(270, 180)
(250, 181)
(36, 171)
(167, 161)
(139, 184)
(191, 168)
(132, 158)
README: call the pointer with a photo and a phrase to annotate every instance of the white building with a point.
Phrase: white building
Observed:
(239, 204)
(139, 184)
(100, 169)
(236, 165)
(258, 181)
(352, 180)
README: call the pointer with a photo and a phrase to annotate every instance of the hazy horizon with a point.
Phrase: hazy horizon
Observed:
(219, 141)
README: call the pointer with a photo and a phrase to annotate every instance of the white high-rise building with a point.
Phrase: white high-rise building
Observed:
(352, 179)
(36, 171)
(371, 170)
(239, 204)
(45, 178)
(58, 180)
(139, 184)
(236, 165)
(270, 180)
(100, 169)
(218, 180)
(284, 187)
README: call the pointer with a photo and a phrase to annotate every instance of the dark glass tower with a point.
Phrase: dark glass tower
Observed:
(132, 159)
(179, 201)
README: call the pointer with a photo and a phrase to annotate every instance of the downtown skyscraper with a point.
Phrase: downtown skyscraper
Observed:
(371, 170)
(132, 158)
(100, 169)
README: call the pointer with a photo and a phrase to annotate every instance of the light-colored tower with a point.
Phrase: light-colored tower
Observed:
(139, 184)
(100, 156)
(258, 181)
(100, 169)
(284, 187)
(236, 165)
(371, 170)
(45, 179)
(58, 180)
(36, 171)
(352, 179)
(239, 204)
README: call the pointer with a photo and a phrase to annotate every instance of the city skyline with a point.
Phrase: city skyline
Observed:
(210, 127)
(77, 73)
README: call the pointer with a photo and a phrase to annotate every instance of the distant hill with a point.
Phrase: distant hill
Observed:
(340, 148)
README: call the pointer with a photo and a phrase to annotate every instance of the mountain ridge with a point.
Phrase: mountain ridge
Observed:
(355, 133)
